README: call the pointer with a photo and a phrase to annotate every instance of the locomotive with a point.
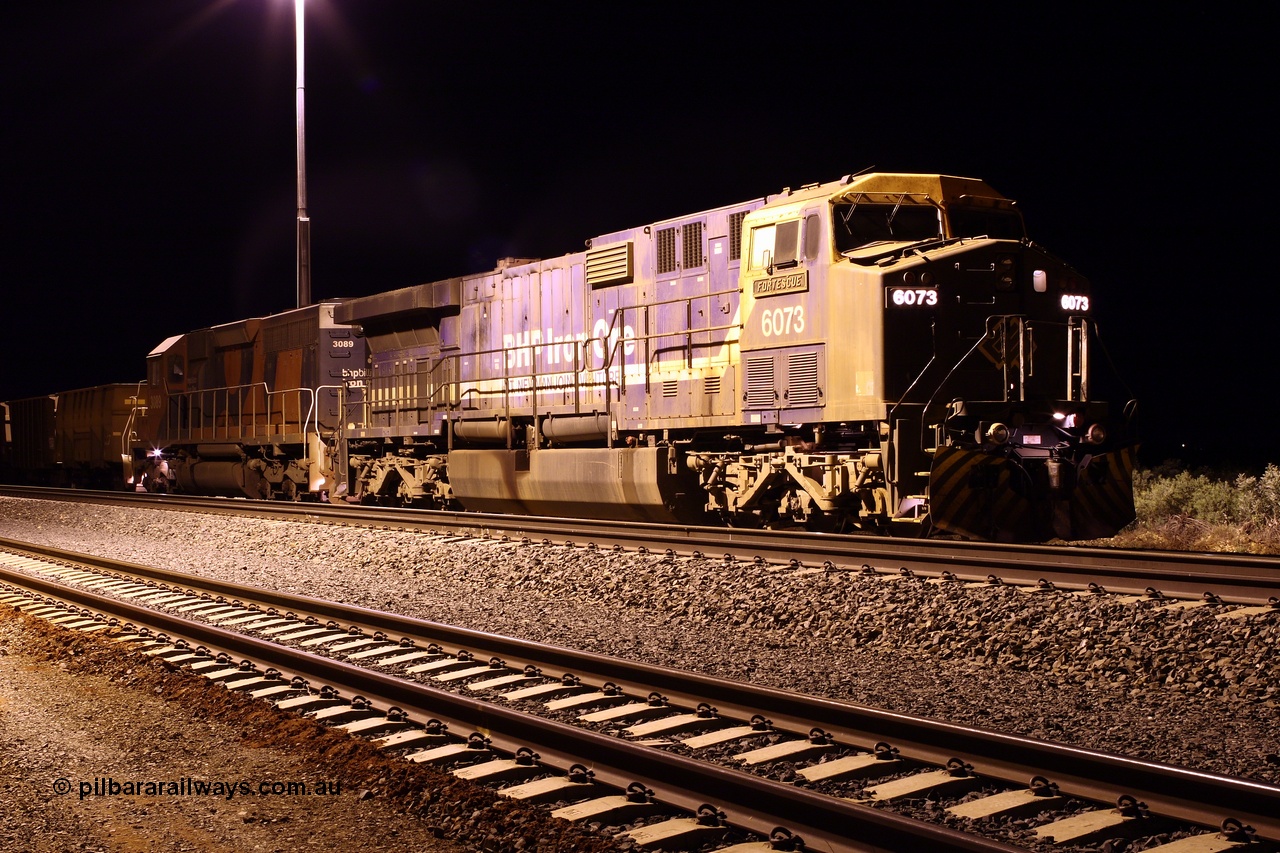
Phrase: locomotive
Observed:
(251, 408)
(885, 352)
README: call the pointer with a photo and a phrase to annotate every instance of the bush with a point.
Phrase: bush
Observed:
(1205, 510)
(1258, 498)
(1158, 498)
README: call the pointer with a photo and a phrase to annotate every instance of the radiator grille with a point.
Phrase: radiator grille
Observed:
(691, 245)
(287, 336)
(802, 383)
(735, 235)
(666, 250)
(711, 385)
(760, 387)
(670, 387)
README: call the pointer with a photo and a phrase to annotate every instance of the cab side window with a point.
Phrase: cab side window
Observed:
(812, 237)
(762, 241)
(775, 245)
(787, 243)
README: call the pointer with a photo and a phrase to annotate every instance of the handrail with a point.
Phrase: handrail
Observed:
(446, 395)
(315, 402)
(203, 405)
(127, 435)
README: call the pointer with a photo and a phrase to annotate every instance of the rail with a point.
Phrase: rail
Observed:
(1186, 795)
(749, 802)
(1234, 578)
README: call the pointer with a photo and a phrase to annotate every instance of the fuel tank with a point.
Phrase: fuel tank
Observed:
(224, 477)
(628, 484)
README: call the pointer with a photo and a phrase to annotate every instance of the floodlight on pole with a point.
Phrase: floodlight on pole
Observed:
(304, 222)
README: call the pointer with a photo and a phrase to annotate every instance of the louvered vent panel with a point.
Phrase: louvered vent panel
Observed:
(295, 335)
(666, 250)
(760, 388)
(610, 265)
(670, 387)
(802, 386)
(735, 235)
(711, 385)
(380, 385)
(691, 245)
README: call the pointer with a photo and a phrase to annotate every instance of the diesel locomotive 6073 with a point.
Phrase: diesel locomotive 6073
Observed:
(886, 352)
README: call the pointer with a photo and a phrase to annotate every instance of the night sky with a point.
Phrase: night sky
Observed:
(148, 151)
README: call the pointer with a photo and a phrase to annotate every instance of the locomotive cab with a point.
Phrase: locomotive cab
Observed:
(912, 360)
(992, 417)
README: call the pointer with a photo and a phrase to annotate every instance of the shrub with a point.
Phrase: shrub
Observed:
(1205, 510)
(1258, 498)
(1158, 497)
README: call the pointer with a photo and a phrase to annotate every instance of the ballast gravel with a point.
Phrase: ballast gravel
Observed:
(1168, 684)
(103, 751)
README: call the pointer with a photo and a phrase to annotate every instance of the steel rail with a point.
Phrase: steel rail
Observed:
(1235, 578)
(1181, 793)
(749, 802)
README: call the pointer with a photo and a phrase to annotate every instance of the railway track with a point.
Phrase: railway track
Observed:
(1209, 578)
(643, 727)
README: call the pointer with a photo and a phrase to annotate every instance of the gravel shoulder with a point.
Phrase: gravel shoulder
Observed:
(1175, 686)
(102, 750)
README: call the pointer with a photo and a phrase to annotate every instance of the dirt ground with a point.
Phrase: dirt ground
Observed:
(102, 751)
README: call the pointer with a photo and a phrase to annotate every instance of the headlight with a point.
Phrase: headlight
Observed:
(1096, 434)
(998, 433)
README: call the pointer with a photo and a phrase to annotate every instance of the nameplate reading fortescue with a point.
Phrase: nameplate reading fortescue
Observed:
(793, 283)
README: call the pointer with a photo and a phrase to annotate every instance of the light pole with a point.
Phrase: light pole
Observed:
(304, 222)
